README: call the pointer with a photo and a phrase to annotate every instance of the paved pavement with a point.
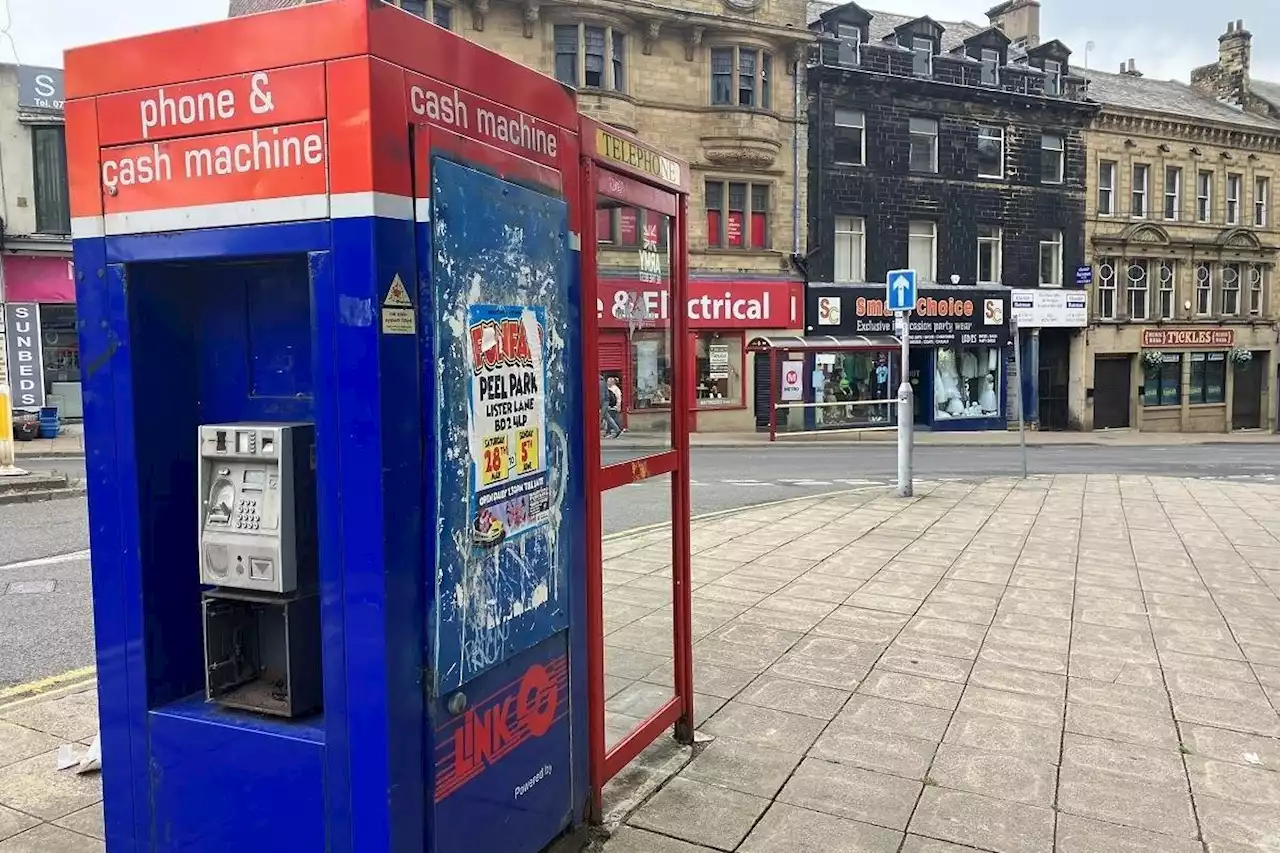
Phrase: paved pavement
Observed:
(1086, 661)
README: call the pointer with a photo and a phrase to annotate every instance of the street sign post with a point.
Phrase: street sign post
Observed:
(1017, 368)
(900, 297)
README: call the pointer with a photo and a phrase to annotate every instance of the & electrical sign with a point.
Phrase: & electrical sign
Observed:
(712, 304)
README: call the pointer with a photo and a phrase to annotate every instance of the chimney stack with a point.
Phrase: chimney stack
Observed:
(1228, 79)
(1019, 20)
(1130, 69)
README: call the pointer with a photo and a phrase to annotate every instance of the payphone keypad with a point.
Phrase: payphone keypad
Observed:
(248, 514)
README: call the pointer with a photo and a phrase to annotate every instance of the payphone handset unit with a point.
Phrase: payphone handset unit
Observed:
(257, 506)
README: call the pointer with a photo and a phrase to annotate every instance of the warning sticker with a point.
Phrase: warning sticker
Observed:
(399, 321)
(397, 295)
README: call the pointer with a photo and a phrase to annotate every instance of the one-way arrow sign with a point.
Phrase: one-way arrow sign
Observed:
(901, 290)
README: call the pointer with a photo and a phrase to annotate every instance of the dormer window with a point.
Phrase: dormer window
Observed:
(922, 62)
(990, 67)
(850, 46)
(1053, 77)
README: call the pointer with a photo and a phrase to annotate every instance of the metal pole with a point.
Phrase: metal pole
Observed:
(1017, 368)
(906, 412)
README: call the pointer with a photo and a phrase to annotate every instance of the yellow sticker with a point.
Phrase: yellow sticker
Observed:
(495, 461)
(527, 450)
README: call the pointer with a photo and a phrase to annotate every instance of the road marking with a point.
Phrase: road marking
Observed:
(70, 678)
(74, 556)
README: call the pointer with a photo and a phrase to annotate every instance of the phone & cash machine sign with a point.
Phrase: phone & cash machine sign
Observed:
(509, 491)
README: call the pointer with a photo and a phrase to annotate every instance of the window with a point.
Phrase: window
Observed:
(1208, 381)
(1255, 291)
(1204, 196)
(1138, 290)
(1052, 158)
(440, 14)
(1233, 199)
(851, 249)
(737, 215)
(1172, 192)
(1107, 289)
(990, 67)
(922, 249)
(1161, 382)
(1230, 290)
(1168, 293)
(630, 226)
(851, 137)
(740, 76)
(990, 151)
(967, 382)
(1138, 205)
(1261, 200)
(1053, 77)
(590, 57)
(1204, 289)
(989, 253)
(924, 145)
(719, 364)
(1051, 259)
(650, 370)
(1106, 188)
(850, 48)
(922, 61)
(53, 208)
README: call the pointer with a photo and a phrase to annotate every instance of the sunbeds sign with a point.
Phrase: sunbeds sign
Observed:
(507, 422)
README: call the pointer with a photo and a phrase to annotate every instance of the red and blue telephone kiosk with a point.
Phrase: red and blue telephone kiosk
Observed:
(338, 328)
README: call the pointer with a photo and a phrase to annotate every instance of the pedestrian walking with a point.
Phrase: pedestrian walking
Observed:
(608, 420)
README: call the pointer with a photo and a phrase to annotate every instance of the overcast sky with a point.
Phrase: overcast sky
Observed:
(1167, 38)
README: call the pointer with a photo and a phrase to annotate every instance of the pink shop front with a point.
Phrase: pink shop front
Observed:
(727, 381)
(41, 347)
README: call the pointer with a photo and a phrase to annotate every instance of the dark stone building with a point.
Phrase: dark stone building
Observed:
(951, 149)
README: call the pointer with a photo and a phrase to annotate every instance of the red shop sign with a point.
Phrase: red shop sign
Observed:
(1188, 337)
(712, 304)
(37, 278)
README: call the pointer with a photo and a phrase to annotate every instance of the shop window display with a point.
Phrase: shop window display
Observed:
(965, 383)
(861, 377)
(651, 371)
(719, 370)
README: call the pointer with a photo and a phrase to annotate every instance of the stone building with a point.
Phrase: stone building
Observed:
(1182, 235)
(37, 289)
(956, 150)
(713, 82)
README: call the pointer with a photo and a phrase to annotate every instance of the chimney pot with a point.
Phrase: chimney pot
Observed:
(1123, 66)
(1239, 25)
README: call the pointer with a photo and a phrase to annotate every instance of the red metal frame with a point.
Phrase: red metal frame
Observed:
(611, 175)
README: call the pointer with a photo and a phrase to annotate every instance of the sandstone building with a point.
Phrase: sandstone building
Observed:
(713, 82)
(1182, 234)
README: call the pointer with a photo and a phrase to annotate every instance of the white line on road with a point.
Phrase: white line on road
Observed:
(74, 556)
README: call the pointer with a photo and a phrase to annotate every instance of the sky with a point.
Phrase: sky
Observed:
(1166, 38)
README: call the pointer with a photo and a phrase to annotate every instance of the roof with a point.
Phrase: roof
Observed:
(1269, 92)
(250, 7)
(1165, 96)
(883, 25)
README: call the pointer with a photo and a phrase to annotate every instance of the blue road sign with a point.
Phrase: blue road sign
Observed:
(901, 289)
(1084, 275)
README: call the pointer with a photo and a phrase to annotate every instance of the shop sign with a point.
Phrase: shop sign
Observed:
(39, 278)
(637, 157)
(828, 310)
(1050, 308)
(26, 360)
(1188, 338)
(711, 305)
(1084, 275)
(792, 384)
(650, 259)
(718, 361)
(41, 88)
(959, 317)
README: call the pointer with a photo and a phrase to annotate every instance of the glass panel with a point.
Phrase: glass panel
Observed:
(722, 75)
(637, 367)
(841, 390)
(736, 223)
(619, 61)
(990, 151)
(967, 382)
(566, 38)
(766, 66)
(593, 67)
(746, 77)
(53, 209)
(415, 7)
(1215, 377)
(442, 15)
(1171, 379)
(848, 137)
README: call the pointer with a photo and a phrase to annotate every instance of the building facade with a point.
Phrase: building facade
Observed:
(1182, 238)
(957, 151)
(40, 348)
(714, 82)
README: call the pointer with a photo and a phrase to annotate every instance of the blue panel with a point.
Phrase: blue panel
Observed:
(500, 251)
(505, 767)
(244, 241)
(232, 786)
(279, 346)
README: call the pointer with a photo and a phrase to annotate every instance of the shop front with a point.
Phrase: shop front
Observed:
(635, 326)
(1198, 379)
(960, 341)
(40, 298)
(1050, 325)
